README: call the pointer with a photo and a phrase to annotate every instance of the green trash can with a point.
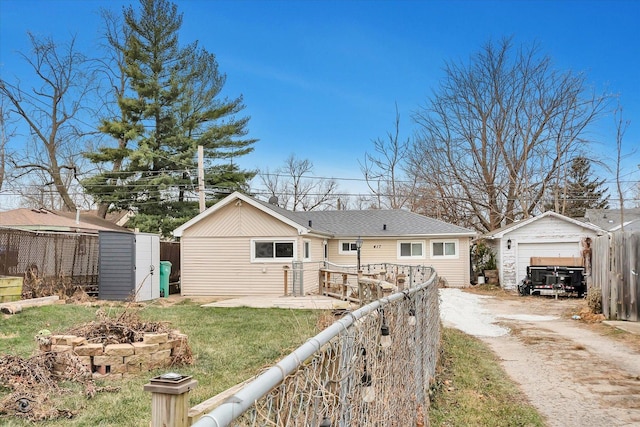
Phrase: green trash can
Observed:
(165, 272)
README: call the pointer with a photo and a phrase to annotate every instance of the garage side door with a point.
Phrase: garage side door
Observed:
(546, 249)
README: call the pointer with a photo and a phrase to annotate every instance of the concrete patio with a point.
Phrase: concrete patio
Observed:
(317, 302)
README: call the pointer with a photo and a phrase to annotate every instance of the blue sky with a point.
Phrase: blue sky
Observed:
(321, 79)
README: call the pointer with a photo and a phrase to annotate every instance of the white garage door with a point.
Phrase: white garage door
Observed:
(546, 249)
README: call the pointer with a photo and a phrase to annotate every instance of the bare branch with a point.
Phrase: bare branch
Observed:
(384, 170)
(498, 132)
(50, 109)
(295, 190)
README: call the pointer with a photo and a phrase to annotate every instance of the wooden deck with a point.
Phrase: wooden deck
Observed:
(360, 288)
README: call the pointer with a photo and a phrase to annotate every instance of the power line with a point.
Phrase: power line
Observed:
(262, 192)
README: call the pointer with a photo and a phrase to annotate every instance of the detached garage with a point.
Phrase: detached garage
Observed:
(549, 235)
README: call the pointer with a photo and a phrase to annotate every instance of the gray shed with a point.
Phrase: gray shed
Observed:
(128, 266)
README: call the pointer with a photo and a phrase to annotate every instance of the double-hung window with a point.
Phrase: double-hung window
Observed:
(411, 249)
(347, 247)
(272, 250)
(306, 246)
(444, 249)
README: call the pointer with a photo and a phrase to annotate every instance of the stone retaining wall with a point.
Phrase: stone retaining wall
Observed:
(115, 360)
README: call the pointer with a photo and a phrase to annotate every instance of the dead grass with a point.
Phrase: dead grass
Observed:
(492, 290)
(626, 338)
(473, 390)
(537, 339)
(588, 316)
(4, 336)
(36, 384)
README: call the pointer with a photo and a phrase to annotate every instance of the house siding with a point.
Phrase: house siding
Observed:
(216, 255)
(222, 266)
(312, 266)
(240, 219)
(454, 270)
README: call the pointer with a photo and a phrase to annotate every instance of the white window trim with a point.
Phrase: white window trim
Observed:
(456, 242)
(343, 252)
(274, 259)
(424, 249)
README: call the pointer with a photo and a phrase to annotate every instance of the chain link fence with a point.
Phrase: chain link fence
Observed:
(50, 258)
(371, 367)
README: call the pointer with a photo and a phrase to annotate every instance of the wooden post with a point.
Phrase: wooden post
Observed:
(345, 279)
(286, 280)
(170, 399)
(383, 275)
(326, 283)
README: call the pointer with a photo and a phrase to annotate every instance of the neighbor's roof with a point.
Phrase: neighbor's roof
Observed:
(609, 219)
(347, 223)
(46, 220)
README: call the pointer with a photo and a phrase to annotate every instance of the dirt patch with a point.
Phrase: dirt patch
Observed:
(178, 299)
(574, 371)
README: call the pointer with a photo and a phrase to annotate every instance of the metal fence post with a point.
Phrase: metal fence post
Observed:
(170, 399)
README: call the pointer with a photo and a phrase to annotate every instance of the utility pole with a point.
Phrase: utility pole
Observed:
(201, 177)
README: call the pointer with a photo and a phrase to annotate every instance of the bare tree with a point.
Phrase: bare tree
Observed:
(497, 131)
(112, 69)
(384, 170)
(5, 135)
(295, 190)
(51, 109)
(621, 129)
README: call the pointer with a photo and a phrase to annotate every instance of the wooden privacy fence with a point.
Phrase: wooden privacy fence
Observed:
(616, 270)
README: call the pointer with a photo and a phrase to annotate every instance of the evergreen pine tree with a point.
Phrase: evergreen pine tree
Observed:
(583, 190)
(170, 106)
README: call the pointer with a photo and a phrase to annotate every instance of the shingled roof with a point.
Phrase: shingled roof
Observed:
(609, 219)
(46, 220)
(371, 222)
(350, 223)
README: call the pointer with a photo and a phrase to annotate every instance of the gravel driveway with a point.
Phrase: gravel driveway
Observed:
(574, 373)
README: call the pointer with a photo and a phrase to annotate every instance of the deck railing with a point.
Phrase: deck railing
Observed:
(374, 281)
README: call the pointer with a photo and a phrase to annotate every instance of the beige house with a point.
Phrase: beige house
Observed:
(242, 246)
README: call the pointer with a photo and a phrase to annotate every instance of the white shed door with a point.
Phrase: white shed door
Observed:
(546, 249)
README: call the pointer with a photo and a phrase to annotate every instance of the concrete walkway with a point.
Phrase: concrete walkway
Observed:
(631, 327)
(317, 302)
